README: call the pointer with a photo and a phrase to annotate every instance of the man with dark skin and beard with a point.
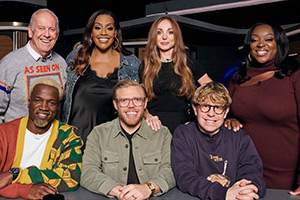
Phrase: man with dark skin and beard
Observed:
(39, 155)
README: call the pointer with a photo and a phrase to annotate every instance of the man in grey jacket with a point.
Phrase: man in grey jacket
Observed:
(125, 158)
(20, 68)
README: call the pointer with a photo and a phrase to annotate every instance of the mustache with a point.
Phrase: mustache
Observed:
(42, 112)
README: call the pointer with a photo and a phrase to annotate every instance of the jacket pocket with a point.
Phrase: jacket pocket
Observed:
(109, 162)
(151, 163)
(152, 158)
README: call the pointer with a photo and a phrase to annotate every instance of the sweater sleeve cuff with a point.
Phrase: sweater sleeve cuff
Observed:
(220, 192)
(25, 192)
(107, 186)
(16, 191)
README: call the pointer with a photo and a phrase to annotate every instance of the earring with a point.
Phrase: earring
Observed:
(116, 45)
(249, 57)
(91, 40)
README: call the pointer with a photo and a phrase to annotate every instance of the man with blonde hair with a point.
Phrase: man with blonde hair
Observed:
(208, 160)
(125, 158)
(39, 155)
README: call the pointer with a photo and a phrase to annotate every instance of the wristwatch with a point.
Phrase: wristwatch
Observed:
(151, 187)
(15, 172)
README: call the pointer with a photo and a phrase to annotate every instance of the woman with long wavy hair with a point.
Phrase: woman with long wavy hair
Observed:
(169, 75)
(99, 64)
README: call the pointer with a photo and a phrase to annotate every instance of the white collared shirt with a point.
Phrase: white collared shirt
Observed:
(34, 54)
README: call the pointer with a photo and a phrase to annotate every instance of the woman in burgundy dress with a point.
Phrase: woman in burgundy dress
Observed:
(266, 99)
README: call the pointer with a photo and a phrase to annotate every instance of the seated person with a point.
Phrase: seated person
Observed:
(125, 158)
(208, 160)
(38, 154)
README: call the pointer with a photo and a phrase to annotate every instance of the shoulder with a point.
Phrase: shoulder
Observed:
(71, 73)
(15, 55)
(231, 87)
(108, 124)
(9, 131)
(142, 66)
(129, 65)
(238, 136)
(148, 132)
(192, 62)
(131, 59)
(14, 124)
(71, 56)
(164, 130)
(105, 133)
(106, 128)
(296, 75)
(66, 129)
(132, 62)
(186, 130)
(197, 69)
(58, 58)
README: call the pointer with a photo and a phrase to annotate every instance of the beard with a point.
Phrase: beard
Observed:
(41, 123)
(131, 122)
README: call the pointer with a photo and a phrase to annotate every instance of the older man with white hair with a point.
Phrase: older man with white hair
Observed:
(21, 67)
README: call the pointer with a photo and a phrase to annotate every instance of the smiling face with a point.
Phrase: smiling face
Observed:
(262, 44)
(43, 33)
(130, 116)
(165, 39)
(103, 32)
(43, 106)
(210, 122)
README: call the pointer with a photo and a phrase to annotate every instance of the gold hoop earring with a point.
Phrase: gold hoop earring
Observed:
(116, 45)
(249, 57)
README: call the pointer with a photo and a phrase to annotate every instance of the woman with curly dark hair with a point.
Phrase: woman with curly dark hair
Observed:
(266, 99)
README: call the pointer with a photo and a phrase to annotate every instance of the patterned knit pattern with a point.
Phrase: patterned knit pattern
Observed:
(62, 168)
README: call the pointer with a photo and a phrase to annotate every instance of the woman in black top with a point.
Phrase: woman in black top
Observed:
(100, 63)
(168, 75)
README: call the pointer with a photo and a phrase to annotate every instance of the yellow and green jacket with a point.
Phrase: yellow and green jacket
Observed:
(61, 162)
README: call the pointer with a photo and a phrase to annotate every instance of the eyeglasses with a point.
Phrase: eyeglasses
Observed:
(137, 102)
(217, 109)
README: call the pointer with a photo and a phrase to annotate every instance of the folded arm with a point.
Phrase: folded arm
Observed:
(63, 169)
